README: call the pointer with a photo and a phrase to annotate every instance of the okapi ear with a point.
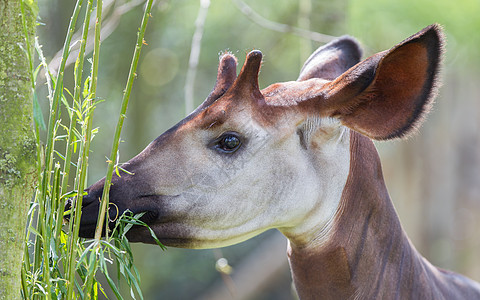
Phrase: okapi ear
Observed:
(387, 95)
(331, 60)
(227, 73)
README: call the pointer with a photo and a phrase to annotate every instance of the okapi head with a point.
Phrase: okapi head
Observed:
(248, 160)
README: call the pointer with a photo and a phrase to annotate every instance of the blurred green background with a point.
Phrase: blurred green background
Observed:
(433, 178)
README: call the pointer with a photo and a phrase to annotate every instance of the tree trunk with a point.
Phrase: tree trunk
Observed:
(17, 141)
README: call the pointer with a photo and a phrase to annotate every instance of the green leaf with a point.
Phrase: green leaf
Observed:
(63, 240)
(118, 173)
(37, 114)
(135, 284)
(72, 194)
(111, 283)
(86, 85)
(37, 70)
(80, 290)
(82, 257)
(65, 102)
(128, 172)
(34, 231)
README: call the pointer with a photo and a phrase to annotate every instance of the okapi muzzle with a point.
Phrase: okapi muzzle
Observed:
(296, 156)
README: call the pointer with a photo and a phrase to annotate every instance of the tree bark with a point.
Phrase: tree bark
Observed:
(17, 140)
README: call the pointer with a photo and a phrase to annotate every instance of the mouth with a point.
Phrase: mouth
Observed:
(88, 219)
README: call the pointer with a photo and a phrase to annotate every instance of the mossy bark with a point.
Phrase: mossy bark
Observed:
(17, 140)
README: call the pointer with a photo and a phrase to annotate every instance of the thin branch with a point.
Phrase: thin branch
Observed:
(108, 27)
(195, 54)
(304, 9)
(258, 19)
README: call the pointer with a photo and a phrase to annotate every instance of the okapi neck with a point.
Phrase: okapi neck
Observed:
(367, 243)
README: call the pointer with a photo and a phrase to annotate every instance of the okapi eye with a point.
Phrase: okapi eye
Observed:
(228, 143)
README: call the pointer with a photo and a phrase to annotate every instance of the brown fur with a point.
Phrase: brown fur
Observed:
(369, 256)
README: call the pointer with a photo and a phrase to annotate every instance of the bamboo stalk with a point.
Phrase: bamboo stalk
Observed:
(85, 145)
(92, 96)
(116, 140)
(54, 107)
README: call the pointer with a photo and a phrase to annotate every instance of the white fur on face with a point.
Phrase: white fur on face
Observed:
(270, 183)
(330, 158)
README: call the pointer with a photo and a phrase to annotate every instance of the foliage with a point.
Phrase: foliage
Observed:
(57, 264)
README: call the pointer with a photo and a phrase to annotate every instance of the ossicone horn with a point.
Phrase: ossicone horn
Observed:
(248, 77)
(227, 73)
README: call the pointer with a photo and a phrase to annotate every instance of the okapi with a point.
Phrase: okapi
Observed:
(297, 156)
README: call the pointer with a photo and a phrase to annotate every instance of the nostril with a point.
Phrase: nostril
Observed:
(68, 214)
(88, 201)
